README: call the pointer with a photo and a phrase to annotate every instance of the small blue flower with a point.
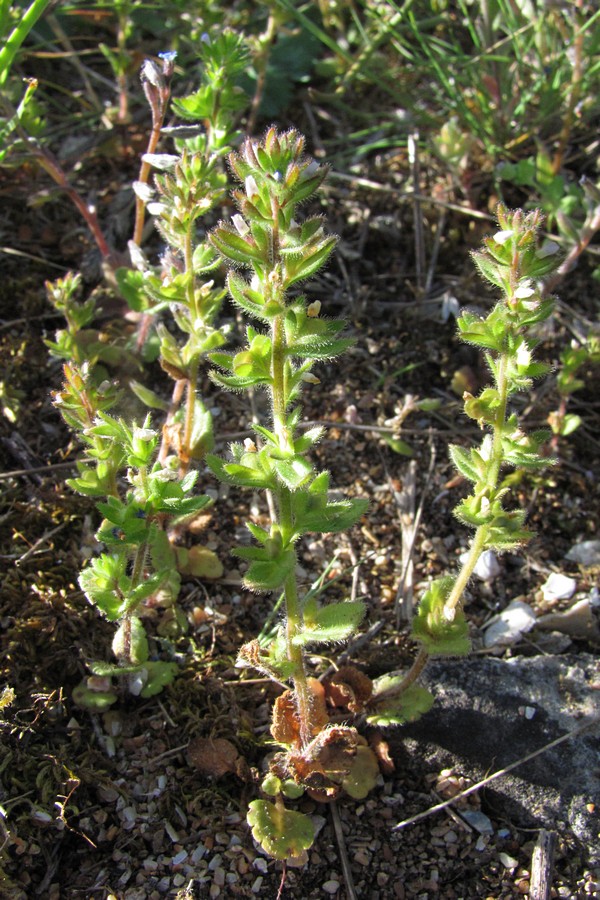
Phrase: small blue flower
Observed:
(168, 55)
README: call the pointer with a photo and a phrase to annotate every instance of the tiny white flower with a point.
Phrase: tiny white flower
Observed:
(249, 445)
(241, 226)
(166, 162)
(311, 168)
(144, 434)
(165, 475)
(150, 72)
(548, 248)
(143, 191)
(523, 355)
(531, 304)
(525, 290)
(313, 309)
(137, 257)
(251, 186)
(156, 209)
(501, 237)
(485, 451)
(310, 378)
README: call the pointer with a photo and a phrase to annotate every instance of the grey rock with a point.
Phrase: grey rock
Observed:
(586, 553)
(479, 725)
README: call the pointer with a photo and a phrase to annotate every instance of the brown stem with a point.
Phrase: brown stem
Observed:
(52, 167)
(411, 676)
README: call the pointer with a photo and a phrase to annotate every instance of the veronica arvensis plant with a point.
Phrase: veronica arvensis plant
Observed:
(514, 260)
(280, 251)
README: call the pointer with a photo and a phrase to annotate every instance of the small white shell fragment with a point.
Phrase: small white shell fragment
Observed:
(558, 587)
(506, 628)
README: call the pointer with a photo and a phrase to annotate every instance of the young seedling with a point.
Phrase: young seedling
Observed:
(515, 261)
(279, 251)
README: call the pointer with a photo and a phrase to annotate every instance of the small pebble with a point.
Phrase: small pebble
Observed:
(331, 887)
(198, 853)
(558, 587)
(586, 553)
(478, 820)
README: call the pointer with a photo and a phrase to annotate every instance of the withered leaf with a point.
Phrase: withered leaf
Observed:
(326, 761)
(381, 749)
(349, 688)
(215, 757)
(285, 726)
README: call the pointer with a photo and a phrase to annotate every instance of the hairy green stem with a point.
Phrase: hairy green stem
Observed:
(294, 619)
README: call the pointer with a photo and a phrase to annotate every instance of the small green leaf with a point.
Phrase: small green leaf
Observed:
(463, 461)
(202, 438)
(332, 623)
(148, 397)
(570, 423)
(96, 701)
(159, 675)
(362, 777)
(397, 445)
(293, 472)
(268, 575)
(408, 706)
(242, 476)
(282, 833)
(439, 635)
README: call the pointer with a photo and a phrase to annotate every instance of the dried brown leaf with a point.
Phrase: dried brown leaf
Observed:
(215, 757)
(349, 688)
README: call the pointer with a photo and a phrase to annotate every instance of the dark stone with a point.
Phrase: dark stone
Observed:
(478, 725)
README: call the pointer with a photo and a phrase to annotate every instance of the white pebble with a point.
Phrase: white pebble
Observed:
(487, 566)
(198, 853)
(515, 620)
(558, 587)
(331, 887)
(179, 858)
